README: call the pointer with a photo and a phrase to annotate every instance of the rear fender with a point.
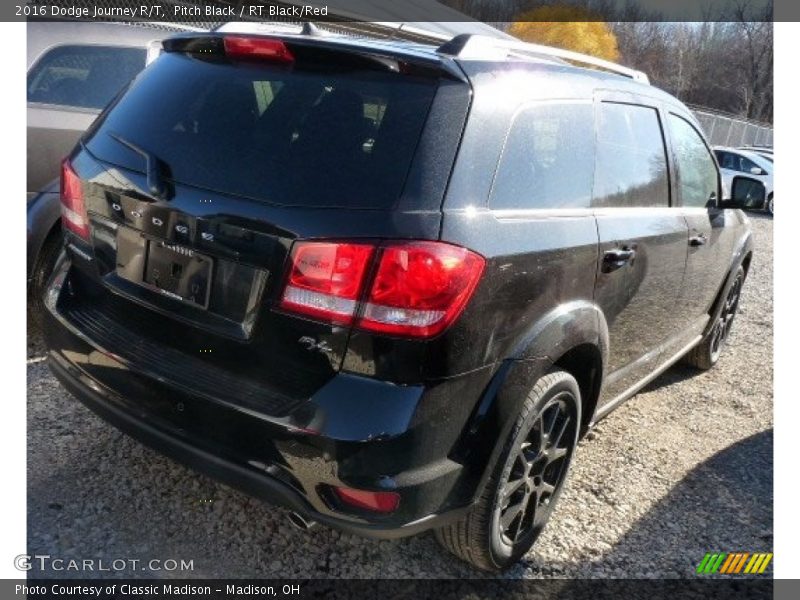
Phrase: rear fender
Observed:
(567, 326)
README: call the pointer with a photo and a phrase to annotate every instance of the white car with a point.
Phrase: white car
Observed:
(734, 161)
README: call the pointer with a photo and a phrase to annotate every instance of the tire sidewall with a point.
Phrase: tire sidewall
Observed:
(503, 554)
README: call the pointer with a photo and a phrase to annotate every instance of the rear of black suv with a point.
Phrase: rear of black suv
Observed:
(253, 282)
(384, 285)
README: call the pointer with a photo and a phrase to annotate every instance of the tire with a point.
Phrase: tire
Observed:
(525, 483)
(770, 208)
(706, 354)
(45, 262)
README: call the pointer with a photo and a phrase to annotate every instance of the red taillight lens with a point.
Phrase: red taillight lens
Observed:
(325, 279)
(258, 48)
(73, 209)
(420, 288)
(383, 502)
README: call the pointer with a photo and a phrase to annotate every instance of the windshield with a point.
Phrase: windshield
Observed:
(320, 138)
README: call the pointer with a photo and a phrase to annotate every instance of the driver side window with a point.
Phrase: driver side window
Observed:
(697, 172)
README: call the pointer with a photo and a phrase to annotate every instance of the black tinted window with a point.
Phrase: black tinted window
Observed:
(548, 158)
(736, 162)
(290, 137)
(83, 76)
(697, 173)
(631, 167)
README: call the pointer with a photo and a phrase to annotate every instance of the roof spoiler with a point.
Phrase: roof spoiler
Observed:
(480, 47)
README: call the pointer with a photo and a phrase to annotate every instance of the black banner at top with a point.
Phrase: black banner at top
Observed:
(402, 11)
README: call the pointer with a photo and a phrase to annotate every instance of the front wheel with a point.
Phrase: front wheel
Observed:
(526, 480)
(706, 354)
(771, 206)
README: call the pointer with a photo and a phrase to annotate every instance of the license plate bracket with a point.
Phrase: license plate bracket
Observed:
(178, 272)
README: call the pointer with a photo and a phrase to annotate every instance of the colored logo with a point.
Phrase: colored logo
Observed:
(736, 563)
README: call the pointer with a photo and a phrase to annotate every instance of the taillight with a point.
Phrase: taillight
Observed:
(325, 279)
(257, 48)
(382, 502)
(73, 209)
(418, 288)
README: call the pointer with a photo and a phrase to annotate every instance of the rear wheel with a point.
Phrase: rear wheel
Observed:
(526, 481)
(45, 262)
(771, 206)
(706, 354)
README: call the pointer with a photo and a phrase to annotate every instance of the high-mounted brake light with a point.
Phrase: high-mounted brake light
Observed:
(257, 48)
(73, 209)
(418, 288)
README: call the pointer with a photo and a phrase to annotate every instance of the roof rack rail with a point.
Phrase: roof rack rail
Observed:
(474, 47)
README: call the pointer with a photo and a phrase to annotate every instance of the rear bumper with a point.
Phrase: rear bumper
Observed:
(354, 442)
(229, 472)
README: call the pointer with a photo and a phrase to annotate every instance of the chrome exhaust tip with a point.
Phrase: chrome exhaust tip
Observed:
(300, 522)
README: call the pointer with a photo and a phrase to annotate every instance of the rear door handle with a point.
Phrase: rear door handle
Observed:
(617, 258)
(697, 240)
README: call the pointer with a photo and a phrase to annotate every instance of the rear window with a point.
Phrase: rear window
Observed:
(316, 138)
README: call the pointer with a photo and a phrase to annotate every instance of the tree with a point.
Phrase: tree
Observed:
(568, 27)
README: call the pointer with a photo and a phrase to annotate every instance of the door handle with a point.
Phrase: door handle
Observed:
(617, 258)
(697, 240)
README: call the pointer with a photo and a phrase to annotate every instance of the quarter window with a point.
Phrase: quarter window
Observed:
(548, 158)
(697, 173)
(631, 168)
(83, 76)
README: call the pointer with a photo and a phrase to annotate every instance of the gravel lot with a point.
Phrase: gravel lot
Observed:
(683, 468)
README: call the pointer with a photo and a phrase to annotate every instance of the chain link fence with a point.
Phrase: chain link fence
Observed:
(728, 130)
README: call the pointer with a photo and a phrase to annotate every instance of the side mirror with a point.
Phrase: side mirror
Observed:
(746, 193)
(757, 171)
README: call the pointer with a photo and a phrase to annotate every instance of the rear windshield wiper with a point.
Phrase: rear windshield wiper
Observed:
(153, 167)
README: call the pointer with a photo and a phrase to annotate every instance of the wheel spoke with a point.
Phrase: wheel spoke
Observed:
(521, 521)
(542, 435)
(557, 440)
(556, 454)
(553, 420)
(511, 513)
(511, 487)
(546, 488)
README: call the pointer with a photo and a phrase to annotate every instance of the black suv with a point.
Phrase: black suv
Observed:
(388, 285)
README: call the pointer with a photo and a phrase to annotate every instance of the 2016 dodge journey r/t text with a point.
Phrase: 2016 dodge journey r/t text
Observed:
(388, 285)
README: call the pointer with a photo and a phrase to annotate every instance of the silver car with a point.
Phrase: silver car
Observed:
(74, 71)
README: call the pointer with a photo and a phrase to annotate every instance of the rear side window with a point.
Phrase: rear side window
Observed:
(697, 173)
(631, 166)
(293, 137)
(83, 76)
(548, 159)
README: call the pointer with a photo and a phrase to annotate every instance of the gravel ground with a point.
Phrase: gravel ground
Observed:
(683, 468)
